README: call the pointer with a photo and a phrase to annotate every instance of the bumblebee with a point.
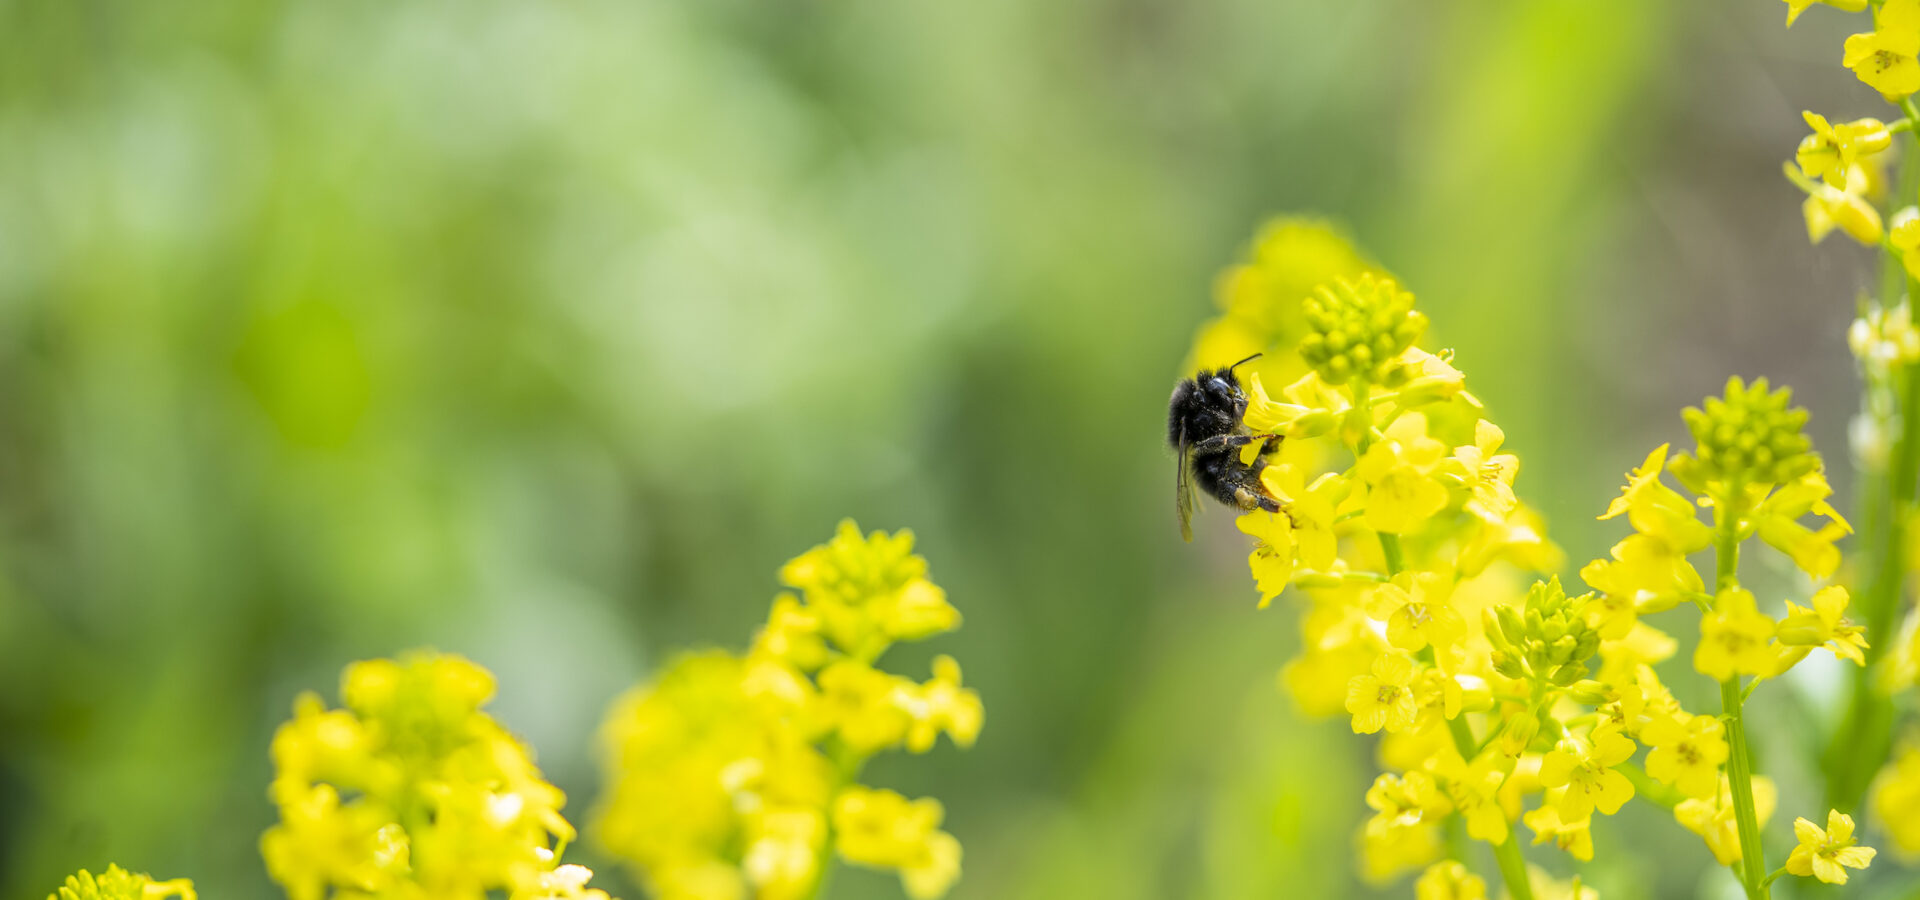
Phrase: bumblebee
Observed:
(1205, 427)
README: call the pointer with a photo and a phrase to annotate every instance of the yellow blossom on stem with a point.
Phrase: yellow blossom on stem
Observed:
(1796, 7)
(1575, 837)
(1660, 511)
(1884, 57)
(1475, 791)
(1713, 819)
(1733, 638)
(1421, 612)
(1832, 150)
(1383, 698)
(1488, 473)
(1581, 777)
(942, 705)
(1687, 754)
(1399, 470)
(1272, 557)
(1449, 880)
(1645, 575)
(1310, 511)
(886, 830)
(119, 884)
(1827, 853)
(1825, 625)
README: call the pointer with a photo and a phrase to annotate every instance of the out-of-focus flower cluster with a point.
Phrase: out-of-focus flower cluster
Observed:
(735, 775)
(411, 791)
(1503, 700)
(119, 884)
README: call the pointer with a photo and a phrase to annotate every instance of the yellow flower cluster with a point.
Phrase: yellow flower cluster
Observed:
(411, 791)
(1422, 622)
(119, 884)
(735, 775)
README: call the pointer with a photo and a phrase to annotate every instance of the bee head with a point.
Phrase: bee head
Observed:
(1222, 386)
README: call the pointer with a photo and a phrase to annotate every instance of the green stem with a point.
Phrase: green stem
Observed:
(1390, 548)
(1861, 741)
(1513, 868)
(1752, 868)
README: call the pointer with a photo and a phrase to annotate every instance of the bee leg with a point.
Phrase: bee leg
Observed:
(1251, 500)
(1226, 442)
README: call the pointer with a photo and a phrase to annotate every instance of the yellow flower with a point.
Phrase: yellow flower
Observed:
(1400, 470)
(1547, 887)
(564, 883)
(442, 798)
(942, 705)
(1646, 575)
(870, 591)
(1733, 638)
(1832, 150)
(1449, 880)
(1580, 774)
(1488, 472)
(783, 851)
(1827, 854)
(1575, 837)
(1475, 792)
(1796, 7)
(1884, 57)
(1828, 207)
(1309, 511)
(1660, 511)
(1776, 522)
(1896, 794)
(1386, 853)
(860, 702)
(1384, 697)
(885, 830)
(1825, 624)
(1272, 558)
(1687, 754)
(1713, 819)
(119, 884)
(792, 634)
(1421, 613)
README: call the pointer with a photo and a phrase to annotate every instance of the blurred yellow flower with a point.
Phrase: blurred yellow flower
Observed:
(1733, 638)
(1896, 794)
(412, 790)
(942, 705)
(1827, 853)
(885, 830)
(119, 884)
(732, 777)
(1575, 837)
(1687, 753)
(1713, 819)
(1825, 625)
(1796, 7)
(1449, 880)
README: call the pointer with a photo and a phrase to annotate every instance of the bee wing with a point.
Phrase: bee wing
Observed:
(1183, 499)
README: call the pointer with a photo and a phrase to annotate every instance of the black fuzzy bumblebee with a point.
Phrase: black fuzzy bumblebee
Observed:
(1204, 426)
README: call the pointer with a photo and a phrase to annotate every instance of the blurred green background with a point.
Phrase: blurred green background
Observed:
(545, 331)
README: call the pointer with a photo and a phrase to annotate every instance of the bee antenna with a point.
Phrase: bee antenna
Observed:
(1245, 361)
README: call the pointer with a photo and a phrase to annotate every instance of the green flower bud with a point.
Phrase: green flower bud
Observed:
(1751, 436)
(1357, 330)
